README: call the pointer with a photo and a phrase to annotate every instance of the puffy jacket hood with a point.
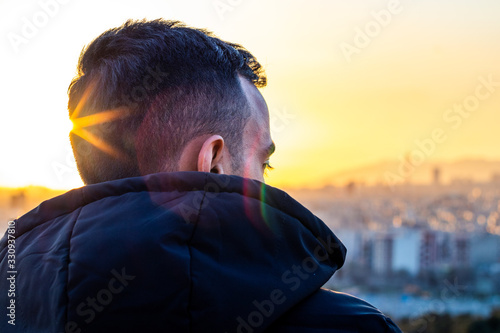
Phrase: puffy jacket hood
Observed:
(172, 252)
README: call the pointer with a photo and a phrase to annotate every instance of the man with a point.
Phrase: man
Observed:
(175, 230)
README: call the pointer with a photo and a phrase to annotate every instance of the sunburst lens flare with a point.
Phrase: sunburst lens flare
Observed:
(99, 118)
(80, 123)
(76, 113)
(99, 143)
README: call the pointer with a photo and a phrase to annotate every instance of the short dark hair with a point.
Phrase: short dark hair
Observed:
(164, 83)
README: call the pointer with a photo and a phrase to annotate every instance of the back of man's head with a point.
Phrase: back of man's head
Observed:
(145, 89)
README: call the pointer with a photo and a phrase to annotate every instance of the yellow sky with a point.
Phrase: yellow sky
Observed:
(339, 98)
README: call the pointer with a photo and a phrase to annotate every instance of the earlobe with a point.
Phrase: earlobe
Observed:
(211, 154)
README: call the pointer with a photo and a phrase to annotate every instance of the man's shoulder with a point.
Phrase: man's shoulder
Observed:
(330, 311)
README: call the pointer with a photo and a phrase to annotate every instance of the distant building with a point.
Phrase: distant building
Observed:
(416, 251)
(407, 251)
(436, 176)
(428, 250)
(495, 178)
(382, 254)
(461, 256)
(484, 250)
(350, 187)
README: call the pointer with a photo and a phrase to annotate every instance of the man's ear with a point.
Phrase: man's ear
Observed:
(210, 156)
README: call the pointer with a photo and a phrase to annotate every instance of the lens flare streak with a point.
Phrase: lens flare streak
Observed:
(80, 123)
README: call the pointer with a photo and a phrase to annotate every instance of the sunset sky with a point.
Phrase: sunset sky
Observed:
(351, 83)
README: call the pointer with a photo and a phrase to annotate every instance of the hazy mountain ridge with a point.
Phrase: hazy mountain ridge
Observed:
(476, 170)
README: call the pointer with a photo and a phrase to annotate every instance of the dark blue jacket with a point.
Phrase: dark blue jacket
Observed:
(176, 252)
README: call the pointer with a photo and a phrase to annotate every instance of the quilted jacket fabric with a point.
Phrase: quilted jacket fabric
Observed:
(176, 252)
